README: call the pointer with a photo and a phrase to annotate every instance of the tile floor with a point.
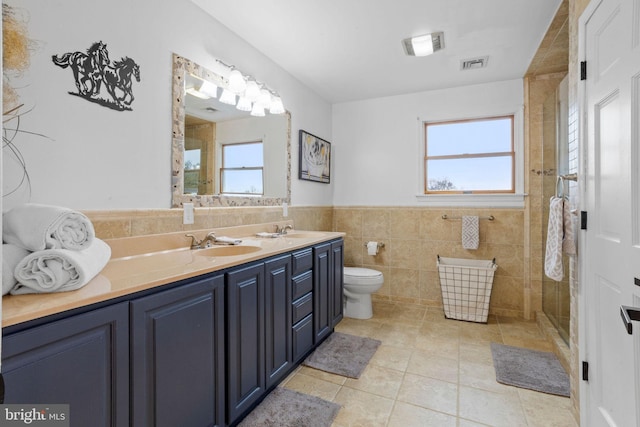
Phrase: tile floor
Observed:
(430, 371)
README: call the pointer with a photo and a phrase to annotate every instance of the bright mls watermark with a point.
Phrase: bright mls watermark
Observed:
(34, 415)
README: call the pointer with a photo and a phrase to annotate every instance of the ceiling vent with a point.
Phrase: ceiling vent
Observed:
(474, 63)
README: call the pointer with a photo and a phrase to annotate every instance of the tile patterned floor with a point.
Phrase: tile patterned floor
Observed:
(430, 371)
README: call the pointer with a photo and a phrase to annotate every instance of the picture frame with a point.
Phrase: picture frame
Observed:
(314, 158)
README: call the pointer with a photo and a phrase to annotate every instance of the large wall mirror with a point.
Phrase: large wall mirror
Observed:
(222, 156)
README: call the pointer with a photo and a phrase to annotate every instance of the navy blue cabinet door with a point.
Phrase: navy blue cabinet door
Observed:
(337, 285)
(177, 357)
(82, 361)
(245, 339)
(278, 345)
(322, 276)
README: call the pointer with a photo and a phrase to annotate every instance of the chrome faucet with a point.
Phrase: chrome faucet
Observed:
(195, 243)
(283, 230)
(209, 240)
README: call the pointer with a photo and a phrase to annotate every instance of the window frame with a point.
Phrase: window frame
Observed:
(487, 154)
(242, 168)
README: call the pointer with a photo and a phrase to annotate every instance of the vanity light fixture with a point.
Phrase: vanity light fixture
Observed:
(253, 91)
(423, 45)
(244, 104)
(237, 83)
(276, 106)
(228, 97)
(264, 99)
(257, 110)
(252, 95)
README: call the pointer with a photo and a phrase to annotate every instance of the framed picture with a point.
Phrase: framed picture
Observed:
(315, 158)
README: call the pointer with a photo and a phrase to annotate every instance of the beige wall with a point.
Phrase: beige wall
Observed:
(127, 223)
(413, 237)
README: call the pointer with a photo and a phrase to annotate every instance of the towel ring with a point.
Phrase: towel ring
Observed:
(560, 180)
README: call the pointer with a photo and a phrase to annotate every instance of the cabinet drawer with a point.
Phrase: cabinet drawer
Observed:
(301, 285)
(302, 261)
(302, 308)
(302, 337)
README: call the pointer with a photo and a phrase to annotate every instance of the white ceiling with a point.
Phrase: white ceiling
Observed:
(348, 50)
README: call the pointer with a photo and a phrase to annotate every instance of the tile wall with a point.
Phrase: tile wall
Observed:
(414, 237)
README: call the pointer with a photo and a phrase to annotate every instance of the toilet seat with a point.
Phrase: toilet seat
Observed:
(362, 276)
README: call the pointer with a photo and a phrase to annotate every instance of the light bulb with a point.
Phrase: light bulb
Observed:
(237, 84)
(244, 104)
(228, 97)
(276, 105)
(265, 98)
(257, 110)
(253, 91)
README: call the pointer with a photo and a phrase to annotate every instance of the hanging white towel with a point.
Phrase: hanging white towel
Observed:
(37, 227)
(568, 239)
(470, 232)
(59, 270)
(555, 233)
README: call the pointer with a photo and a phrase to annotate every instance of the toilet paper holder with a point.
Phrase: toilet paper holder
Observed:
(380, 244)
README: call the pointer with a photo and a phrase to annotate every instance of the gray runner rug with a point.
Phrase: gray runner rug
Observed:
(288, 408)
(343, 354)
(535, 370)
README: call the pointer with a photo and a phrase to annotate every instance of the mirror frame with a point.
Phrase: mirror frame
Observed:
(181, 66)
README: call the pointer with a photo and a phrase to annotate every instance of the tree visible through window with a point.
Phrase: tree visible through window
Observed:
(242, 168)
(470, 156)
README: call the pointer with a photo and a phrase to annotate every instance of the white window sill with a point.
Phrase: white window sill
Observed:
(473, 200)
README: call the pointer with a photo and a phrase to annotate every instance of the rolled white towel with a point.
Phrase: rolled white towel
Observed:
(38, 227)
(11, 256)
(60, 270)
(228, 240)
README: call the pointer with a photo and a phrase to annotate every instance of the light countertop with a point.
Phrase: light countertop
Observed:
(144, 262)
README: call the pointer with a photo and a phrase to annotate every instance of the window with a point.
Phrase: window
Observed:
(470, 156)
(242, 168)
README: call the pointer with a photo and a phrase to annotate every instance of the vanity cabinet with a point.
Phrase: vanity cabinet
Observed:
(177, 356)
(202, 351)
(82, 361)
(328, 261)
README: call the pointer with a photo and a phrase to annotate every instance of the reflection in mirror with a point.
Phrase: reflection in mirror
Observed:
(222, 156)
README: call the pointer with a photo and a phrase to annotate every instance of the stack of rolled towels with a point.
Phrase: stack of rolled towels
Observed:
(49, 249)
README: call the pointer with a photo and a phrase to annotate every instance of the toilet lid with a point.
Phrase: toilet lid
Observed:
(361, 272)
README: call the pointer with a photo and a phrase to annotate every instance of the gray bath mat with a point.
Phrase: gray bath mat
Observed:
(343, 354)
(288, 408)
(535, 370)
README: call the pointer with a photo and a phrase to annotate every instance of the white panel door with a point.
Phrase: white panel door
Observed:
(611, 193)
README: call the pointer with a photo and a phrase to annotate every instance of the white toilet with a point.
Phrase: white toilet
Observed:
(359, 284)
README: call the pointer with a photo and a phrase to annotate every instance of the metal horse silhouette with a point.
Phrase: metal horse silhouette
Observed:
(92, 69)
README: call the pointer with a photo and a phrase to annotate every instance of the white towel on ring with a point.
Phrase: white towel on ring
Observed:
(59, 270)
(470, 232)
(37, 227)
(568, 238)
(553, 254)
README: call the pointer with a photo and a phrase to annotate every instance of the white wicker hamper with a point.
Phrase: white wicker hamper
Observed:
(466, 287)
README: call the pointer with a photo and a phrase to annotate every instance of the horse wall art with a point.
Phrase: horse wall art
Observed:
(94, 70)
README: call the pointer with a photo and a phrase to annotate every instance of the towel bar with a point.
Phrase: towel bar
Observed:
(490, 217)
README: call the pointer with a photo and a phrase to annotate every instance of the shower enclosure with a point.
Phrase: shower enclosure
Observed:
(556, 296)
